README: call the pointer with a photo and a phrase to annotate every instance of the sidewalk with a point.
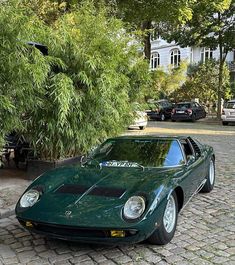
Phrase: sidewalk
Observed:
(12, 184)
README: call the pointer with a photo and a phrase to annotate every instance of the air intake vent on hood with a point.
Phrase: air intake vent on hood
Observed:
(107, 192)
(97, 191)
(72, 188)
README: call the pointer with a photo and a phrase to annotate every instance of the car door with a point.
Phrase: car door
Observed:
(200, 110)
(168, 109)
(194, 168)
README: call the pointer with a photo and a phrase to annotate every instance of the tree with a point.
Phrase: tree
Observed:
(20, 76)
(164, 84)
(83, 91)
(149, 15)
(212, 26)
(202, 83)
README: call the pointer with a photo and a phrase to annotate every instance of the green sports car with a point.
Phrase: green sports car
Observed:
(129, 189)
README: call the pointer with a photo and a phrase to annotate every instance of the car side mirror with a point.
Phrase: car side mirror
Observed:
(190, 159)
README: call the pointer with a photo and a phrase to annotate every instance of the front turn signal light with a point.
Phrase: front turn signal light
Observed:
(117, 233)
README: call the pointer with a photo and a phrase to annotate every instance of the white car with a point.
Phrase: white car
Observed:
(141, 120)
(228, 112)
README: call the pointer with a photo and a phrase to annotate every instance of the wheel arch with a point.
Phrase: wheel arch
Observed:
(180, 197)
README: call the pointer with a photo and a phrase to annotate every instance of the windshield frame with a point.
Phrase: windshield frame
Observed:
(184, 161)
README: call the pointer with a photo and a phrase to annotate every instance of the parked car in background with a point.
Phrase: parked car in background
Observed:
(228, 112)
(188, 111)
(141, 120)
(160, 110)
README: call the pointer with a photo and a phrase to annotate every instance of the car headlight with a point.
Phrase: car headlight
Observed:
(29, 198)
(134, 207)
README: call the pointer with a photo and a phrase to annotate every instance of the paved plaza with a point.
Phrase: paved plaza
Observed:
(205, 232)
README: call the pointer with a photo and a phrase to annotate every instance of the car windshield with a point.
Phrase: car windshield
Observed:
(230, 105)
(183, 105)
(139, 152)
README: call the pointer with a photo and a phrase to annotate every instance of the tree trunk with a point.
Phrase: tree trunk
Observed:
(221, 64)
(146, 26)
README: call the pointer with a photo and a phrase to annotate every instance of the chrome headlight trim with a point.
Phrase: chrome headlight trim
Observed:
(134, 207)
(29, 198)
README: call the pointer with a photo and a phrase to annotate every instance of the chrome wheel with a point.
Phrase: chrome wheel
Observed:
(212, 172)
(162, 117)
(169, 217)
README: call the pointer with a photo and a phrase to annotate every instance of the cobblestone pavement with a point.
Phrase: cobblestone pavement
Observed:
(205, 232)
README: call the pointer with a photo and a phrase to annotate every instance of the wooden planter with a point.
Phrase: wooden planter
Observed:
(37, 167)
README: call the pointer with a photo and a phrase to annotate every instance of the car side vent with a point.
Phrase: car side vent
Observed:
(195, 146)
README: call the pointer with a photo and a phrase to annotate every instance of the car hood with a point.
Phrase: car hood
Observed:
(91, 196)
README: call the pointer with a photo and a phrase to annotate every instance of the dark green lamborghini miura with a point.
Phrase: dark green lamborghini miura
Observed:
(128, 190)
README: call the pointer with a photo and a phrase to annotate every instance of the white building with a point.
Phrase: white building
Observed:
(164, 54)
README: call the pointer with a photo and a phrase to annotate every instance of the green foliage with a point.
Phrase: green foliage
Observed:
(164, 84)
(202, 83)
(212, 26)
(20, 75)
(82, 92)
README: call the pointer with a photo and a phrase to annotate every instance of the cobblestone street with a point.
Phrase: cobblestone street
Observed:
(206, 228)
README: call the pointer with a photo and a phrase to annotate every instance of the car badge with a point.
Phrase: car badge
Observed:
(68, 213)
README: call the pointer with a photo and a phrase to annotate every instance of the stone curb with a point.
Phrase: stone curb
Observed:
(10, 210)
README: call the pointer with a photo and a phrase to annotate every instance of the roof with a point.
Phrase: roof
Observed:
(150, 137)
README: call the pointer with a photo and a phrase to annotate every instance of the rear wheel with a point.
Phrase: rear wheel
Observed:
(142, 127)
(173, 120)
(166, 230)
(210, 180)
(224, 122)
(194, 117)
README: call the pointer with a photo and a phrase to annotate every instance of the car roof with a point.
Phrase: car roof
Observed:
(149, 137)
(185, 102)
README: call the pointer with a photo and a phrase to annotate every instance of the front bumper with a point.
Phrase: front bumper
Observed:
(154, 115)
(86, 234)
(228, 118)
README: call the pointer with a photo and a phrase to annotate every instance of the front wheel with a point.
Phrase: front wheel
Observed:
(166, 230)
(162, 117)
(142, 127)
(224, 122)
(210, 180)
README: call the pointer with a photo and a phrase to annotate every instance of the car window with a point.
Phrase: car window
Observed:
(187, 148)
(152, 153)
(230, 105)
(183, 105)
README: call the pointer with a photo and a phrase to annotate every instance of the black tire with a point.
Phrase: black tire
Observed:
(142, 127)
(160, 236)
(173, 120)
(210, 180)
(224, 122)
(194, 117)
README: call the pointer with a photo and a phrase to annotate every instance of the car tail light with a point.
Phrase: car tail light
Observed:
(173, 111)
(223, 113)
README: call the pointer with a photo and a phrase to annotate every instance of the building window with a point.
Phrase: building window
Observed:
(155, 60)
(175, 58)
(206, 53)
